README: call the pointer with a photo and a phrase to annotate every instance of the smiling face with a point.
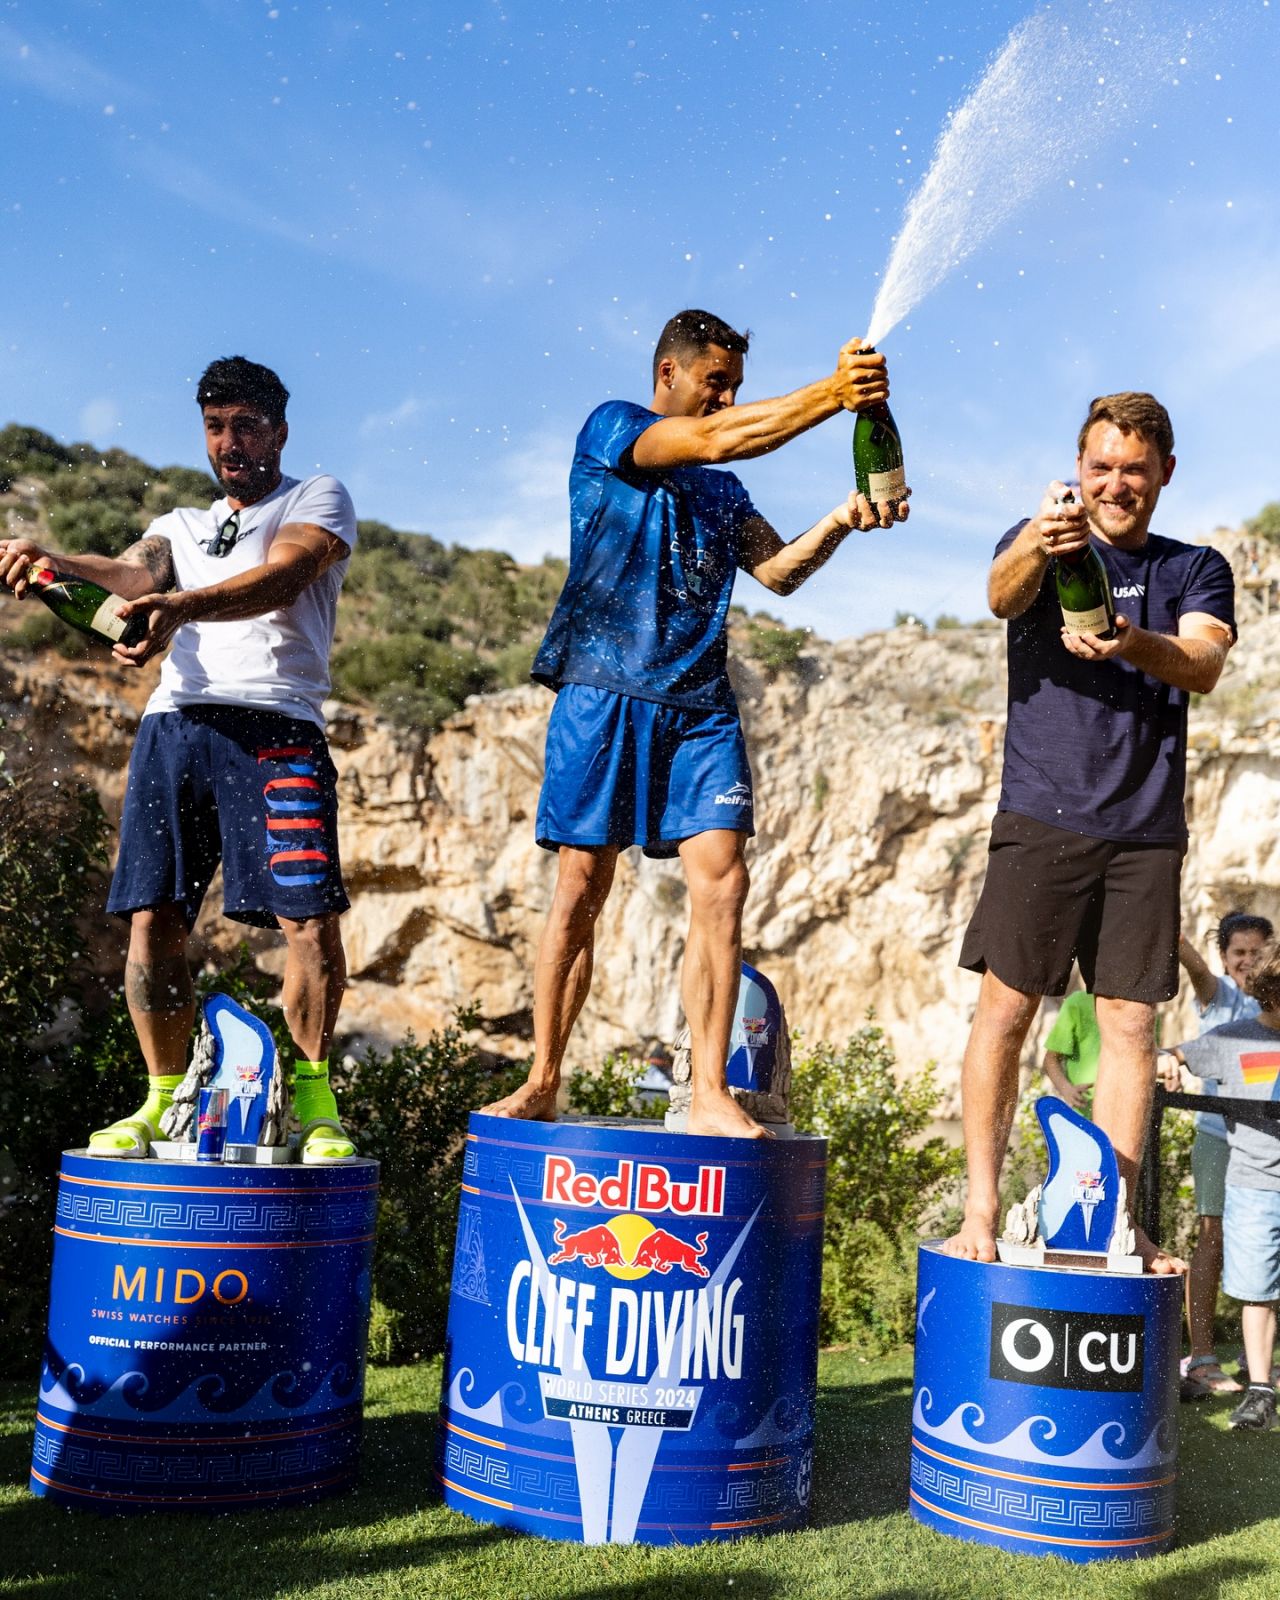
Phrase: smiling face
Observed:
(1121, 476)
(698, 384)
(244, 451)
(1243, 953)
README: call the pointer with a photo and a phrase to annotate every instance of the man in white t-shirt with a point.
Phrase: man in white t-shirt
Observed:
(230, 764)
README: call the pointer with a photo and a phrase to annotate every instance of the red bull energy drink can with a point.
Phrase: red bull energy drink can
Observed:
(211, 1125)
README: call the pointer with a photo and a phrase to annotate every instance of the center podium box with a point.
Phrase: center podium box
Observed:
(633, 1332)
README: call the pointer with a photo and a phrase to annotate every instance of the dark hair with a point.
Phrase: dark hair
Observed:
(1240, 922)
(690, 332)
(235, 381)
(1132, 411)
(1263, 983)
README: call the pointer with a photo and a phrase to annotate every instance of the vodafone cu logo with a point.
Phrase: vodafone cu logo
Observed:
(1066, 1350)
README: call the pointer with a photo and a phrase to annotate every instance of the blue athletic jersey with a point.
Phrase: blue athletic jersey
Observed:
(652, 560)
(1099, 747)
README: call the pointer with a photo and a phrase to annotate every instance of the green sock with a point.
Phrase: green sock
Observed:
(312, 1099)
(126, 1134)
(312, 1096)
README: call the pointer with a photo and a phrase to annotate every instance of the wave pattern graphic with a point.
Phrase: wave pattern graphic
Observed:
(125, 1400)
(1025, 1442)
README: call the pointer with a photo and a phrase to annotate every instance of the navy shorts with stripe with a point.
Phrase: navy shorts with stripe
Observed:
(254, 790)
(622, 771)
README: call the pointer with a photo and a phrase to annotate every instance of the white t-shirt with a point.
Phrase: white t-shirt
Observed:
(280, 660)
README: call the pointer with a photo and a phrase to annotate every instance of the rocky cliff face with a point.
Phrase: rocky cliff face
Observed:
(877, 765)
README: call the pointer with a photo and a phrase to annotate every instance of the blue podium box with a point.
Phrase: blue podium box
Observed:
(633, 1332)
(207, 1330)
(1044, 1417)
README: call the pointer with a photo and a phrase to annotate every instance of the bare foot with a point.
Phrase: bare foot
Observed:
(976, 1240)
(529, 1103)
(724, 1118)
(1156, 1260)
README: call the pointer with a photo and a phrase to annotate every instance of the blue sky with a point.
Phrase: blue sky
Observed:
(454, 229)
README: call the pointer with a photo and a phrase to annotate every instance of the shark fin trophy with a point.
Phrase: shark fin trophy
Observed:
(1078, 1217)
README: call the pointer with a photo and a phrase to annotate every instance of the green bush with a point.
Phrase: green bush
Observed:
(774, 648)
(408, 1109)
(882, 1176)
(52, 841)
(28, 451)
(612, 1091)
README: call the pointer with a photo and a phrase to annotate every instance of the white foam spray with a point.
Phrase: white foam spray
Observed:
(1068, 78)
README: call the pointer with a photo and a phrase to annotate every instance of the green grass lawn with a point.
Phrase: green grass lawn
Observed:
(391, 1537)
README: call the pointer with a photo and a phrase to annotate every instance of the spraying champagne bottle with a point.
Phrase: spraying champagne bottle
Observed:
(1084, 590)
(877, 456)
(85, 605)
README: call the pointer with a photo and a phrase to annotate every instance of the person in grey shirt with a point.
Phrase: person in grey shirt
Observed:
(1242, 1060)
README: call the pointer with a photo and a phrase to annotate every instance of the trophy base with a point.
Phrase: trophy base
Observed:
(1035, 1255)
(234, 1155)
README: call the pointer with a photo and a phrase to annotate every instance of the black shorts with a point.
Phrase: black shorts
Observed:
(254, 790)
(1053, 897)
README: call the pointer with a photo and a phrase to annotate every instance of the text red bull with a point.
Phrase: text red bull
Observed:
(632, 1348)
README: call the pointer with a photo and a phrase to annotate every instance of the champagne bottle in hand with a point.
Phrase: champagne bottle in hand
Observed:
(877, 456)
(1084, 590)
(85, 605)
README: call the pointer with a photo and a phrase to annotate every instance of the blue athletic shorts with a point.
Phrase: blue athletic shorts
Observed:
(1251, 1245)
(252, 789)
(624, 771)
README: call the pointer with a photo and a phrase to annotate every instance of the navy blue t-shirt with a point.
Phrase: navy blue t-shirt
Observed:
(652, 560)
(1099, 747)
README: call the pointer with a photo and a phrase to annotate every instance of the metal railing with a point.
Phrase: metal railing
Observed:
(1256, 1113)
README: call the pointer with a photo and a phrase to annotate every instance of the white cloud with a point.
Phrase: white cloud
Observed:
(526, 503)
(60, 74)
(100, 418)
(379, 423)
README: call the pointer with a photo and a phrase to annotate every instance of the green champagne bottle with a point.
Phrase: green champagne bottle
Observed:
(877, 456)
(85, 605)
(1084, 590)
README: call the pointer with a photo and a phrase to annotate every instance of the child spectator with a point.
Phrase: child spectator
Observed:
(1218, 1000)
(1071, 1052)
(1242, 1060)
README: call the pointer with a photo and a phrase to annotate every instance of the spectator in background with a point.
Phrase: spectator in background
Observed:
(1241, 1058)
(1071, 1052)
(1218, 1001)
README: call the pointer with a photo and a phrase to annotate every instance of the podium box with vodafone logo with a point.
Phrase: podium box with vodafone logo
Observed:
(633, 1332)
(1044, 1418)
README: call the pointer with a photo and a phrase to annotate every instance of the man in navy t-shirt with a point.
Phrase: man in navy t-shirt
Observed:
(1087, 844)
(644, 746)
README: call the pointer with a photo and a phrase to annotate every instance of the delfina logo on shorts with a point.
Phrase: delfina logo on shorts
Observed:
(738, 795)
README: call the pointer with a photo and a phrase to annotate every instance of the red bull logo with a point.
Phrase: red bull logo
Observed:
(652, 1249)
(247, 1074)
(753, 1027)
(644, 1186)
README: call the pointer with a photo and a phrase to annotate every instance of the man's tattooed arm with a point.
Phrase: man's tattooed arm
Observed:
(156, 555)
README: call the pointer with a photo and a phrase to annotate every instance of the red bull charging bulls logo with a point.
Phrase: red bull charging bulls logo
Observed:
(632, 1332)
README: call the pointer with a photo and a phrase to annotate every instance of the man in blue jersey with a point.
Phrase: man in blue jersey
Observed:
(644, 745)
(1087, 844)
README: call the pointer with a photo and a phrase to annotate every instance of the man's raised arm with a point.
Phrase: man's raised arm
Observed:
(737, 433)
